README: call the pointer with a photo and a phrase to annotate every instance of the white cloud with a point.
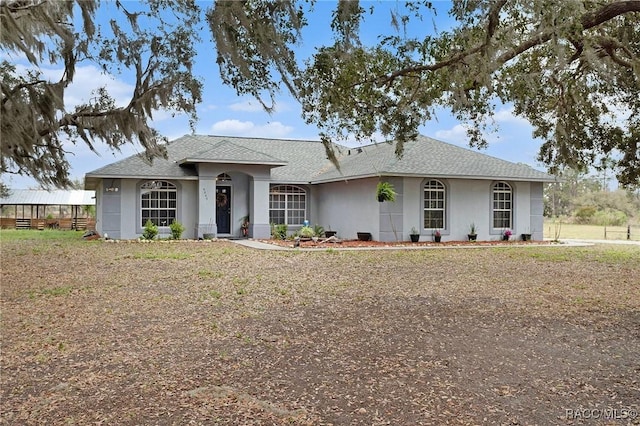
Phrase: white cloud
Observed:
(13, 56)
(166, 114)
(232, 126)
(507, 116)
(457, 134)
(86, 80)
(273, 129)
(209, 107)
(509, 128)
(90, 78)
(246, 106)
(252, 105)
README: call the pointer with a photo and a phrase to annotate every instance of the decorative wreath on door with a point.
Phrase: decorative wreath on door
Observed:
(221, 199)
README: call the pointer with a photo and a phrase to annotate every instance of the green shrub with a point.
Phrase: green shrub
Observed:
(176, 230)
(279, 231)
(609, 217)
(584, 214)
(150, 230)
(318, 231)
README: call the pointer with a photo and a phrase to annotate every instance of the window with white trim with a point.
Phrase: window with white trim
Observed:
(158, 202)
(502, 205)
(434, 202)
(287, 204)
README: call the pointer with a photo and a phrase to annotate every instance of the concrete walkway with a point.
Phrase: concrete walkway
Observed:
(624, 242)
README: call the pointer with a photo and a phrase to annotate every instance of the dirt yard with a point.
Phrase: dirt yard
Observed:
(215, 333)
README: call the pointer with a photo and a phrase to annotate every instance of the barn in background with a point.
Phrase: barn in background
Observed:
(41, 209)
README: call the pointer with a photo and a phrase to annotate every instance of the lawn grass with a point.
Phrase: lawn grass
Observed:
(588, 232)
(216, 333)
(7, 235)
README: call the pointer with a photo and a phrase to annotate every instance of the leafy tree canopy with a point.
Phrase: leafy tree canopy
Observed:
(156, 48)
(571, 68)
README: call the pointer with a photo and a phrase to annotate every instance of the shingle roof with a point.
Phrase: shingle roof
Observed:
(305, 161)
(229, 152)
(429, 157)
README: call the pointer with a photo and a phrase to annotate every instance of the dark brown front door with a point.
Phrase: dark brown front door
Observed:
(223, 209)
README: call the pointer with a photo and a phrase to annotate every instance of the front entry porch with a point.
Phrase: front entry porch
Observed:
(239, 196)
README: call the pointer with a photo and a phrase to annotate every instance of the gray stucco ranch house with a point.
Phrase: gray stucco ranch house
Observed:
(211, 184)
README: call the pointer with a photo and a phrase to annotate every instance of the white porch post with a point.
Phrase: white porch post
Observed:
(207, 206)
(259, 215)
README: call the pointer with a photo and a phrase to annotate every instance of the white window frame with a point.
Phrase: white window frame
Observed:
(501, 203)
(438, 204)
(158, 197)
(290, 201)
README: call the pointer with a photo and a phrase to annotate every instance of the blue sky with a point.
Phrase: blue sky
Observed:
(222, 112)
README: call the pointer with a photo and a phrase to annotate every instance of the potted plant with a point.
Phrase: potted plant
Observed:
(208, 233)
(506, 234)
(385, 192)
(244, 226)
(365, 236)
(330, 233)
(306, 233)
(437, 236)
(414, 235)
(473, 234)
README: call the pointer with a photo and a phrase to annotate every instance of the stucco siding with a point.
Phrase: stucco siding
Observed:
(391, 214)
(470, 202)
(349, 207)
(187, 213)
(537, 211)
(240, 201)
(130, 218)
(522, 209)
(467, 201)
(411, 205)
(108, 206)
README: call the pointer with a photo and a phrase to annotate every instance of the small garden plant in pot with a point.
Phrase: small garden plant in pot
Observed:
(506, 235)
(385, 192)
(415, 235)
(306, 232)
(437, 236)
(209, 231)
(244, 226)
(473, 232)
(364, 236)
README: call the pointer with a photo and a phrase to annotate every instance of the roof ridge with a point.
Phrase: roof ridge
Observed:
(244, 148)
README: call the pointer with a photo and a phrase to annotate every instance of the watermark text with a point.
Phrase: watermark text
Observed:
(600, 413)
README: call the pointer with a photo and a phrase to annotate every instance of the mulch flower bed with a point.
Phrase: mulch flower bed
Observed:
(338, 243)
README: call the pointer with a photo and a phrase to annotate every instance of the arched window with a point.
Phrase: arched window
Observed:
(502, 205)
(287, 204)
(223, 177)
(158, 202)
(435, 205)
